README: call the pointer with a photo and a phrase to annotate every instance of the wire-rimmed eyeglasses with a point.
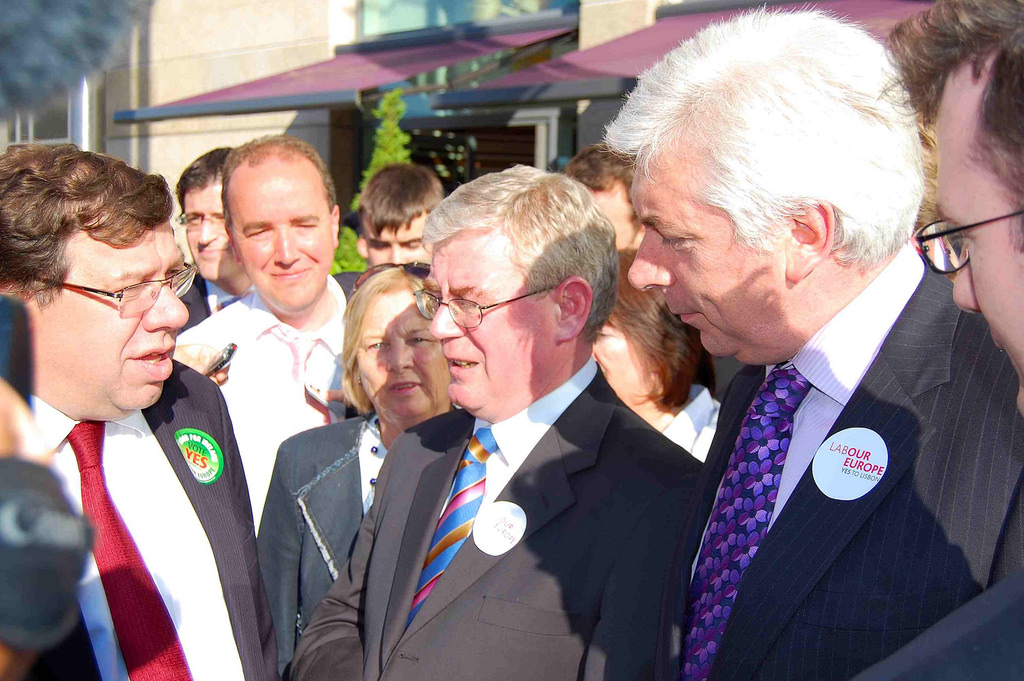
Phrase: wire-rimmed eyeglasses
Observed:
(137, 298)
(465, 313)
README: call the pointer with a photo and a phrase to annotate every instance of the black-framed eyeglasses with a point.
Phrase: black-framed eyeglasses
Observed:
(137, 298)
(465, 313)
(420, 270)
(948, 253)
(195, 220)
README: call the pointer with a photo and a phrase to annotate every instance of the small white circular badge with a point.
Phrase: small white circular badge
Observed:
(849, 464)
(499, 527)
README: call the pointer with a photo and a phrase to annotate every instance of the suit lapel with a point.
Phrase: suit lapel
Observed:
(225, 514)
(817, 528)
(432, 489)
(540, 487)
(737, 400)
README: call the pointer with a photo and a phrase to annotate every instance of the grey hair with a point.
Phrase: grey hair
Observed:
(785, 110)
(555, 228)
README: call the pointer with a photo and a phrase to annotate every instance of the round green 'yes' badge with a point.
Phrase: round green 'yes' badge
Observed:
(202, 454)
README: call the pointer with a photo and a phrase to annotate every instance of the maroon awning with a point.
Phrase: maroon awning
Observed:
(335, 82)
(610, 69)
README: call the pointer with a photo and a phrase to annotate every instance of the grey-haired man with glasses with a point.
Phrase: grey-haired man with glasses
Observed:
(525, 535)
(144, 446)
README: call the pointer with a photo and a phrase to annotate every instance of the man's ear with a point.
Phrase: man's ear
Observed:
(574, 298)
(336, 224)
(808, 242)
(361, 247)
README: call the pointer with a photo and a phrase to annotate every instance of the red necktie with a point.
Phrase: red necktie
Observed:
(145, 632)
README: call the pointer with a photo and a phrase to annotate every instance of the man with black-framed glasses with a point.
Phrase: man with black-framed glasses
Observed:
(963, 64)
(963, 67)
(143, 446)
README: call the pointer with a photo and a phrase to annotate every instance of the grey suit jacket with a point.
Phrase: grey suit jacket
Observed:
(190, 400)
(310, 520)
(839, 585)
(604, 495)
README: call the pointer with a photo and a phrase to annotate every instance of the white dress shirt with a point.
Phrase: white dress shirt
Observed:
(266, 386)
(170, 539)
(835, 359)
(693, 428)
(517, 435)
(216, 296)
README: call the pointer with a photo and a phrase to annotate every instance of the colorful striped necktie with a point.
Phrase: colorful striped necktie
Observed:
(456, 522)
(740, 517)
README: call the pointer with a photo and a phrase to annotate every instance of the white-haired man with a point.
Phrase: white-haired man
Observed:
(864, 480)
(568, 496)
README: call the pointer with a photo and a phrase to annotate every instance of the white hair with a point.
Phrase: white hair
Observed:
(785, 111)
(555, 228)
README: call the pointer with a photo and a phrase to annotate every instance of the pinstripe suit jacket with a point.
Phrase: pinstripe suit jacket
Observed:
(190, 400)
(838, 585)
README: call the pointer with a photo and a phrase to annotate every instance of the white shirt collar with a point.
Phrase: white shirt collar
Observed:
(698, 413)
(56, 426)
(331, 333)
(701, 405)
(517, 435)
(836, 358)
(215, 295)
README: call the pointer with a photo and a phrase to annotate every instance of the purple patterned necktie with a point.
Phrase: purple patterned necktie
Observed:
(743, 509)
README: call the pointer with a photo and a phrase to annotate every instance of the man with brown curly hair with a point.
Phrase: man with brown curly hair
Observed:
(143, 446)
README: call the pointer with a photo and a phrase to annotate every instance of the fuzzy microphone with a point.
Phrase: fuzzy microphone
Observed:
(46, 46)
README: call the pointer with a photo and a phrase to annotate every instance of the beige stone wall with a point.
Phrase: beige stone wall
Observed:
(604, 20)
(182, 48)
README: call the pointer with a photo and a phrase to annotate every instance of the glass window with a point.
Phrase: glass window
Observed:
(377, 17)
(50, 122)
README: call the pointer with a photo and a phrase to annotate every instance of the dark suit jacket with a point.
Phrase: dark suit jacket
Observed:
(196, 303)
(310, 519)
(190, 400)
(575, 598)
(839, 585)
(199, 308)
(980, 640)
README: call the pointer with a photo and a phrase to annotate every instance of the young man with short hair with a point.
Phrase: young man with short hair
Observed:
(393, 209)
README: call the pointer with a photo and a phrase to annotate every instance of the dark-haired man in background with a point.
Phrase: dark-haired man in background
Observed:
(143, 445)
(392, 211)
(221, 279)
(609, 177)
